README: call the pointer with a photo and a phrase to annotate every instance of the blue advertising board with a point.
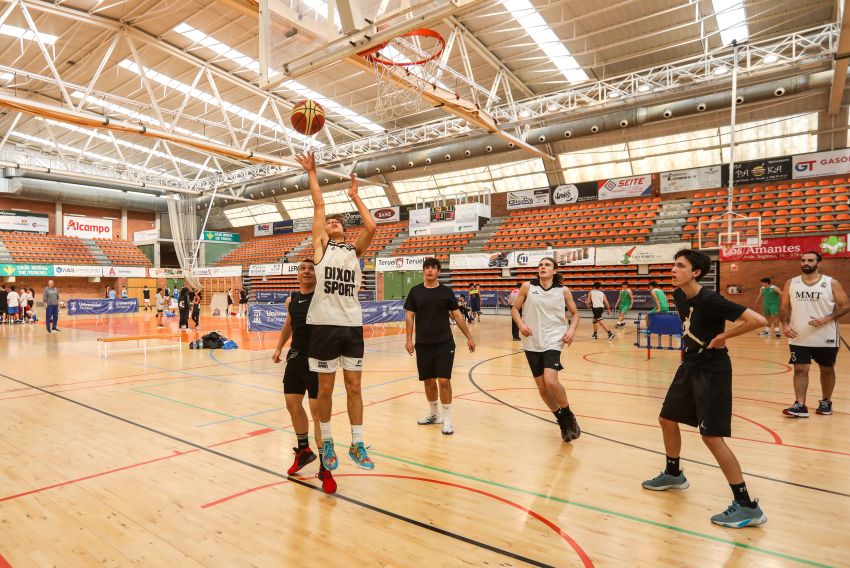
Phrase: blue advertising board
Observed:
(80, 306)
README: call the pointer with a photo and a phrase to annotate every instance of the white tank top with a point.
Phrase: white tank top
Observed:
(544, 311)
(338, 280)
(597, 298)
(808, 302)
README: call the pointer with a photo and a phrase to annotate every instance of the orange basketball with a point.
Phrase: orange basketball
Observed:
(308, 117)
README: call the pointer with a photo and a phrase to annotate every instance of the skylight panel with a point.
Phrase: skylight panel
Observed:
(537, 28)
(21, 33)
(240, 58)
(731, 20)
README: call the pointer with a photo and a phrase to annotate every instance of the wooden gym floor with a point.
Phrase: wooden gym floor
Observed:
(179, 459)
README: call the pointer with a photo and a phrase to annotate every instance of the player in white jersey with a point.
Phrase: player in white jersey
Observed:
(811, 306)
(598, 303)
(336, 316)
(544, 330)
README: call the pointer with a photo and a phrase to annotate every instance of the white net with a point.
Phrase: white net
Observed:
(183, 219)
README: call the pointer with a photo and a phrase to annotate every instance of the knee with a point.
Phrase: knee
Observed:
(352, 388)
(326, 390)
(444, 383)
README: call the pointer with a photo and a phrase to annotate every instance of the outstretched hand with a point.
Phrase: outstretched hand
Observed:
(352, 189)
(307, 161)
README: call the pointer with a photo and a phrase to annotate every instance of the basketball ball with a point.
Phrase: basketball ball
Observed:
(308, 117)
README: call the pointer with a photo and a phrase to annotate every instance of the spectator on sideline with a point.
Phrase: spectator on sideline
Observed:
(112, 293)
(146, 297)
(51, 305)
(124, 294)
(4, 304)
(24, 303)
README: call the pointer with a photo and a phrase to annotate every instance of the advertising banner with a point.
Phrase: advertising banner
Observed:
(638, 254)
(165, 272)
(575, 193)
(833, 246)
(397, 263)
(273, 296)
(79, 307)
(420, 222)
(756, 171)
(526, 258)
(284, 227)
(821, 164)
(86, 227)
(77, 270)
(382, 312)
(691, 179)
(265, 270)
(634, 186)
(221, 237)
(582, 256)
(26, 269)
(366, 295)
(301, 225)
(387, 214)
(264, 317)
(528, 198)
(19, 221)
(146, 236)
(263, 230)
(123, 271)
(466, 218)
(470, 261)
(217, 271)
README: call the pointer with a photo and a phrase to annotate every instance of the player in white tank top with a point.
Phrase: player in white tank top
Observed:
(337, 338)
(544, 331)
(812, 303)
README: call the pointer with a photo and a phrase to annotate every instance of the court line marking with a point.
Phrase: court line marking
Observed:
(274, 473)
(788, 368)
(4, 563)
(586, 561)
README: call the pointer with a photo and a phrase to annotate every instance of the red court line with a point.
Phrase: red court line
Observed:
(777, 440)
(586, 561)
(787, 367)
(4, 563)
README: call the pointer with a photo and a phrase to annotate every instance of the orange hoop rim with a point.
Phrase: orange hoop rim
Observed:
(372, 54)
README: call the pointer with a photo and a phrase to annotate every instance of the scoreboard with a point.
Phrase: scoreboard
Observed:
(443, 213)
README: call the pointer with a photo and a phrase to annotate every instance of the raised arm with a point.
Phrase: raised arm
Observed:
(364, 239)
(574, 316)
(320, 236)
(285, 334)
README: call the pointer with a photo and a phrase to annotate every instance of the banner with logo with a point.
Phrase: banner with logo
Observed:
(628, 255)
(273, 296)
(265, 270)
(124, 271)
(165, 272)
(420, 222)
(87, 227)
(217, 271)
(366, 295)
(691, 179)
(471, 260)
(264, 317)
(263, 230)
(284, 227)
(79, 307)
(26, 269)
(819, 164)
(833, 246)
(756, 171)
(466, 217)
(397, 263)
(301, 225)
(575, 193)
(76, 270)
(526, 258)
(387, 214)
(382, 312)
(146, 236)
(579, 256)
(528, 198)
(616, 188)
(221, 237)
(28, 222)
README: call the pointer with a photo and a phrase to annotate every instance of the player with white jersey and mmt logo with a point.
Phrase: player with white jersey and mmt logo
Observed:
(336, 315)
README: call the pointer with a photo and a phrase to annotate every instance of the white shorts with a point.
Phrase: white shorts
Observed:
(331, 365)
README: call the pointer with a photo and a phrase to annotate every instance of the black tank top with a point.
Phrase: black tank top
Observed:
(298, 305)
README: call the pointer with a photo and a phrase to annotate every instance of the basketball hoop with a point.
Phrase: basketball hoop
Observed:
(404, 67)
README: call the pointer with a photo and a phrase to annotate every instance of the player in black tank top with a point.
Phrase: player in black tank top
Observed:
(298, 378)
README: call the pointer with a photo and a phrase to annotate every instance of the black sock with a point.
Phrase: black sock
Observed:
(303, 440)
(673, 467)
(739, 494)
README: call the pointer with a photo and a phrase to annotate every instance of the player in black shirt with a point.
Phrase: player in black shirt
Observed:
(146, 296)
(298, 379)
(427, 306)
(701, 392)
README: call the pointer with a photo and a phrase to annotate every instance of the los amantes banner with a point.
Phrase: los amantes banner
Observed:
(833, 246)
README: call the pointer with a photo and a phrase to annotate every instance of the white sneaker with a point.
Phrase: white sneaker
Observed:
(447, 428)
(764, 333)
(430, 419)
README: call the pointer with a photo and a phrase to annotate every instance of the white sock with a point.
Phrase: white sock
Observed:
(434, 407)
(325, 427)
(767, 329)
(447, 413)
(356, 434)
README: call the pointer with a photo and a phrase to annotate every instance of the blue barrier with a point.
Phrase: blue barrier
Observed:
(273, 296)
(79, 306)
(272, 317)
(660, 324)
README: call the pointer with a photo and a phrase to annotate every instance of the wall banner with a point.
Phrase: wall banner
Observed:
(387, 214)
(124, 271)
(691, 179)
(398, 263)
(575, 193)
(821, 164)
(638, 254)
(528, 198)
(616, 188)
(833, 246)
(77, 270)
(86, 227)
(583, 256)
(265, 270)
(28, 222)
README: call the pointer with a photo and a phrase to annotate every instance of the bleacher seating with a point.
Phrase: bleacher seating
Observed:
(264, 250)
(33, 248)
(811, 207)
(576, 277)
(383, 236)
(123, 253)
(442, 245)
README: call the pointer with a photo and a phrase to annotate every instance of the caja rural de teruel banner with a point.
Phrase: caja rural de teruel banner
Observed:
(833, 246)
(691, 179)
(634, 186)
(628, 255)
(819, 164)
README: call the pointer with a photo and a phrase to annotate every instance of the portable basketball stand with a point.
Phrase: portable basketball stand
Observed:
(660, 324)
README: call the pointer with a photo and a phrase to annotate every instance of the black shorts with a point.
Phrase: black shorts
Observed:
(539, 360)
(597, 313)
(435, 361)
(298, 378)
(701, 396)
(332, 345)
(823, 356)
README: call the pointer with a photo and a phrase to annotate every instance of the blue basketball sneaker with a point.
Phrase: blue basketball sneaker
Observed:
(357, 452)
(329, 455)
(736, 516)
